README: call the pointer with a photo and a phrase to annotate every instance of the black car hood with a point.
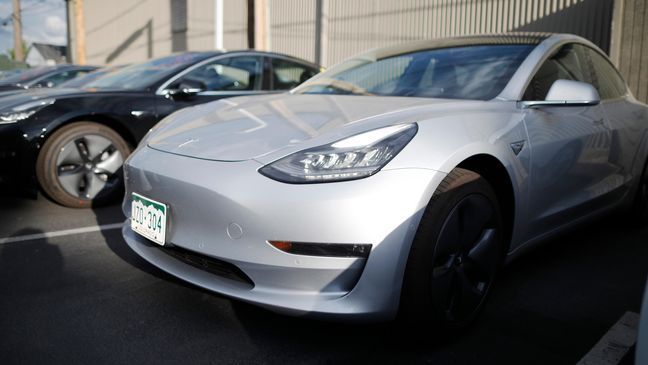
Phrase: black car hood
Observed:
(11, 99)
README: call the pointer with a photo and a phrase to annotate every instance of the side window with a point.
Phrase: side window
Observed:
(569, 63)
(58, 78)
(227, 74)
(287, 74)
(609, 83)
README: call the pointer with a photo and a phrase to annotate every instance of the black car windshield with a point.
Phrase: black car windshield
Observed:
(143, 75)
(471, 72)
(27, 75)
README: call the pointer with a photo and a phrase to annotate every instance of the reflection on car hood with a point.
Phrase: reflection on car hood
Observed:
(10, 99)
(249, 127)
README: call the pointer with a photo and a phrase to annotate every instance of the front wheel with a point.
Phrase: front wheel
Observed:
(455, 254)
(80, 164)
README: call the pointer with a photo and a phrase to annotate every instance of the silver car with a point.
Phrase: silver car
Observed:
(396, 182)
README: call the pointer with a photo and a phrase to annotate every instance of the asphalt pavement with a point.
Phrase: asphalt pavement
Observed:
(87, 298)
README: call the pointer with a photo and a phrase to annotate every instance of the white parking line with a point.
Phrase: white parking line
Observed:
(66, 232)
(611, 349)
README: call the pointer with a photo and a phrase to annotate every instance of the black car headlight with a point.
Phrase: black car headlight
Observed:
(351, 158)
(24, 111)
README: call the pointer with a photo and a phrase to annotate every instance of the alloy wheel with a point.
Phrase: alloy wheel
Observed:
(467, 255)
(87, 165)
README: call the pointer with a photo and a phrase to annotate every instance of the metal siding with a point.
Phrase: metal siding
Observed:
(357, 25)
(633, 47)
(353, 26)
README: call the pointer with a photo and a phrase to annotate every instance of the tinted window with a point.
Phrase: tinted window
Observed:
(57, 79)
(571, 62)
(607, 80)
(145, 74)
(227, 74)
(287, 74)
(28, 75)
(471, 72)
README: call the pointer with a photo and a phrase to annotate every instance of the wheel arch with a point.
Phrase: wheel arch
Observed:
(494, 171)
(107, 120)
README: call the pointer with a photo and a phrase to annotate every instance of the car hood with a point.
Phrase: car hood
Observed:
(246, 128)
(11, 99)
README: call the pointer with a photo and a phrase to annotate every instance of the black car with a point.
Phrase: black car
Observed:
(45, 76)
(72, 142)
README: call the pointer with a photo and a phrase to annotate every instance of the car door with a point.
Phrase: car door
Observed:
(627, 118)
(221, 77)
(570, 148)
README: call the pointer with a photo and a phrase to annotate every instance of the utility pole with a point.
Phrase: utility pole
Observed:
(69, 56)
(79, 28)
(250, 24)
(17, 30)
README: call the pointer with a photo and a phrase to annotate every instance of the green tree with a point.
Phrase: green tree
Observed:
(12, 53)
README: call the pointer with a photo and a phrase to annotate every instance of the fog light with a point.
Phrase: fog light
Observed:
(323, 249)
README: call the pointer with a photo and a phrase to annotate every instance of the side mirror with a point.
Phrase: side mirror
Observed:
(567, 93)
(187, 88)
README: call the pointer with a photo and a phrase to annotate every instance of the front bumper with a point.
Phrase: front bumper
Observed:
(18, 151)
(205, 198)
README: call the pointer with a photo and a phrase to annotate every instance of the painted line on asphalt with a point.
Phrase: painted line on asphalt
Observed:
(614, 345)
(66, 232)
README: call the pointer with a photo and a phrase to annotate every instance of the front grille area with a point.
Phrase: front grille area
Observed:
(215, 266)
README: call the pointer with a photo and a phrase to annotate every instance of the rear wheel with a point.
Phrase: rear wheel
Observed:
(80, 165)
(455, 254)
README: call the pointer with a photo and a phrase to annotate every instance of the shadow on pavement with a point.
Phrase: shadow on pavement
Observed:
(18, 261)
(106, 215)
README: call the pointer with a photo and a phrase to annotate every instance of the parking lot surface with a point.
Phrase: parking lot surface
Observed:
(70, 296)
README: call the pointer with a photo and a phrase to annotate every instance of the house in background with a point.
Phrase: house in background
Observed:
(41, 54)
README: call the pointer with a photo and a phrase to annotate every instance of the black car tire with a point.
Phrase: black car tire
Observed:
(455, 254)
(47, 170)
(637, 215)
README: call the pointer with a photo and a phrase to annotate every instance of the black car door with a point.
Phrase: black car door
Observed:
(217, 78)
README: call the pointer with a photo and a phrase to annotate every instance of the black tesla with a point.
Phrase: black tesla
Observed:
(72, 142)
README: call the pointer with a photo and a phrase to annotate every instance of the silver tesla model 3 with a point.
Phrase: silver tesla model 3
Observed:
(396, 182)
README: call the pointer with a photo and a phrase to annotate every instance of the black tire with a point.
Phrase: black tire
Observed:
(79, 165)
(637, 215)
(455, 254)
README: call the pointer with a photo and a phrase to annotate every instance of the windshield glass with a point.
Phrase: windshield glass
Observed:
(143, 75)
(471, 72)
(87, 78)
(27, 75)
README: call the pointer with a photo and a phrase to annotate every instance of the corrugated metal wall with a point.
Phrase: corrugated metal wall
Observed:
(356, 25)
(292, 27)
(633, 46)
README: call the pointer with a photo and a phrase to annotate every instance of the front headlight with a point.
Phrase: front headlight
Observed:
(24, 111)
(351, 158)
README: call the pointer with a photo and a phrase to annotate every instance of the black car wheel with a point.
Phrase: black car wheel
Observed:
(455, 254)
(638, 214)
(80, 164)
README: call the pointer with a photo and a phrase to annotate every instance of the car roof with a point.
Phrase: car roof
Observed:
(272, 54)
(531, 38)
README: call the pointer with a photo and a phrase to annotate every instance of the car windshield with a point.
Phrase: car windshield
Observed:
(87, 78)
(27, 75)
(143, 75)
(470, 72)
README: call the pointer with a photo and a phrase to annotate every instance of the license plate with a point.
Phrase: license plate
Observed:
(149, 218)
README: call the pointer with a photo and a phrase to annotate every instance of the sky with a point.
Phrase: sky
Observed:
(43, 22)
